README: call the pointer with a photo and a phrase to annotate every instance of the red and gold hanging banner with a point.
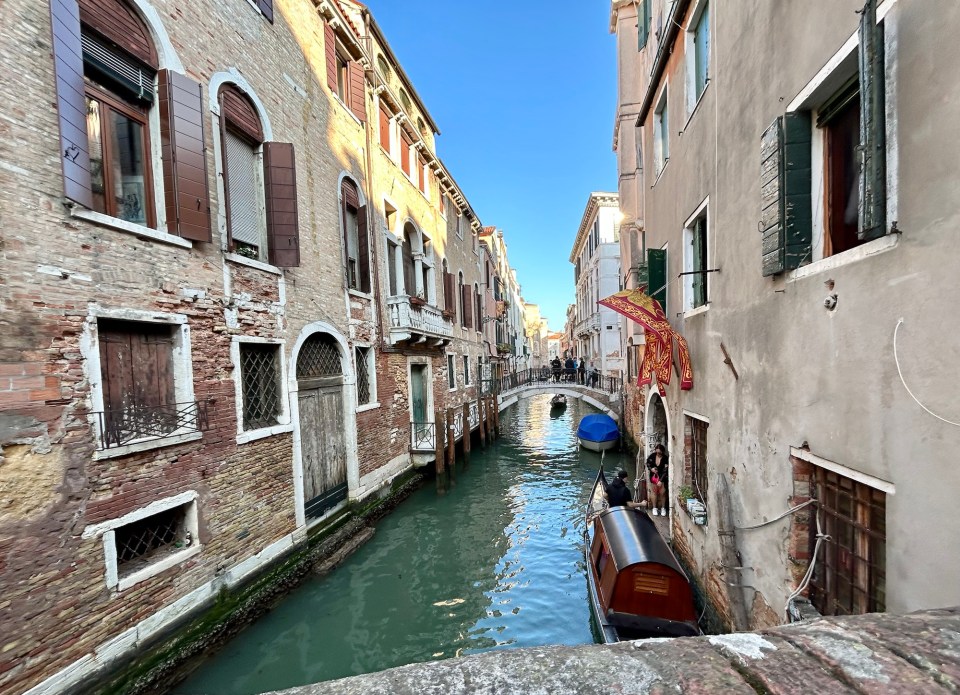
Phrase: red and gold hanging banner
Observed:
(640, 307)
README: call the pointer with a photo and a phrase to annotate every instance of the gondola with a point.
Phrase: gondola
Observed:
(637, 588)
(558, 401)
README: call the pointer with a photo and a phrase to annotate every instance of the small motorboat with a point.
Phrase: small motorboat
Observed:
(637, 588)
(558, 401)
(598, 432)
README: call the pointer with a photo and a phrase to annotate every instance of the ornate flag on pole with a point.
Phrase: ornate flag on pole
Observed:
(638, 306)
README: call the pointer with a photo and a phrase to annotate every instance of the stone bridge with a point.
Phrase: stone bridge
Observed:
(607, 402)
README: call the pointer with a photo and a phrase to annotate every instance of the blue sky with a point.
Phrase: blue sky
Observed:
(524, 94)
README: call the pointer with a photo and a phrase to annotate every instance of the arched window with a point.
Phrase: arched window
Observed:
(259, 184)
(355, 240)
(426, 270)
(119, 68)
(449, 292)
(241, 141)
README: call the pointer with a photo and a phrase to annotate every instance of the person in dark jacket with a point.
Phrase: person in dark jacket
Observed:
(619, 495)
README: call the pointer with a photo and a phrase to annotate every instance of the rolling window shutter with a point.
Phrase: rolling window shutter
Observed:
(363, 244)
(873, 167)
(266, 7)
(785, 180)
(243, 191)
(280, 191)
(185, 189)
(71, 101)
(330, 50)
(657, 265)
(357, 91)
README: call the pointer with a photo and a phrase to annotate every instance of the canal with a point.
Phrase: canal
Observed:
(494, 561)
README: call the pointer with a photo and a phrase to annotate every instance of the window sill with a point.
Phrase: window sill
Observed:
(660, 173)
(138, 230)
(166, 563)
(871, 248)
(263, 433)
(697, 519)
(702, 309)
(336, 98)
(360, 294)
(367, 406)
(696, 107)
(251, 263)
(146, 445)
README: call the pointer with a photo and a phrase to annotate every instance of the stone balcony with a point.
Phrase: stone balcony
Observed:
(411, 321)
(589, 325)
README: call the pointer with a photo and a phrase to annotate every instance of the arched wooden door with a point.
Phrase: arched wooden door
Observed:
(322, 437)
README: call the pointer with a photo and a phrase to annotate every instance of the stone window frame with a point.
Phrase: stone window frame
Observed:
(702, 212)
(451, 371)
(182, 377)
(284, 423)
(371, 358)
(107, 532)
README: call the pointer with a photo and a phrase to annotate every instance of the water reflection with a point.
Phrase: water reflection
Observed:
(495, 562)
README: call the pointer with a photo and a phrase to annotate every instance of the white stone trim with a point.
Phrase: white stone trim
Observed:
(138, 230)
(146, 445)
(253, 263)
(283, 417)
(166, 54)
(888, 242)
(865, 478)
(233, 76)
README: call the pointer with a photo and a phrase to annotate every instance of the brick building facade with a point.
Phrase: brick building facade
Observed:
(228, 252)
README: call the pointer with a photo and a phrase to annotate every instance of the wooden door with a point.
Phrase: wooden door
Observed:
(324, 451)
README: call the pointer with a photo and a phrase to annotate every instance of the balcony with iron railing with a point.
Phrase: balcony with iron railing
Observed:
(141, 423)
(414, 321)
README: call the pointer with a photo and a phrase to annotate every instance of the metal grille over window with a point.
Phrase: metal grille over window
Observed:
(363, 376)
(319, 357)
(139, 543)
(260, 374)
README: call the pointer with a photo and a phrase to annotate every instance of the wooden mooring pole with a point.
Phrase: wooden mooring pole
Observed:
(496, 416)
(482, 417)
(466, 430)
(451, 440)
(438, 431)
(489, 400)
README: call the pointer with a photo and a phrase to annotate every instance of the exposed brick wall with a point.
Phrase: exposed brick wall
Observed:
(798, 544)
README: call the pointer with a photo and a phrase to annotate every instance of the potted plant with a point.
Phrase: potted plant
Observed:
(418, 300)
(686, 495)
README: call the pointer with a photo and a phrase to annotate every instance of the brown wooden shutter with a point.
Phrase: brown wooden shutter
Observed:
(330, 49)
(467, 307)
(363, 248)
(404, 153)
(384, 129)
(266, 7)
(280, 190)
(71, 101)
(448, 293)
(185, 188)
(357, 91)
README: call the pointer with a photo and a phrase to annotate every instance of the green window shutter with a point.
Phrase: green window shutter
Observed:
(657, 273)
(643, 25)
(873, 165)
(785, 203)
(699, 243)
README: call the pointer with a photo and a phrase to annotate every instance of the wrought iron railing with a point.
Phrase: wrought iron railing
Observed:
(423, 436)
(533, 377)
(122, 426)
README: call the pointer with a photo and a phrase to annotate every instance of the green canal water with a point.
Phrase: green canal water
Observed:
(495, 561)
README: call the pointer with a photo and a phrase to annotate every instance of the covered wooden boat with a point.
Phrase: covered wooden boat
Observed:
(637, 587)
(558, 401)
(598, 432)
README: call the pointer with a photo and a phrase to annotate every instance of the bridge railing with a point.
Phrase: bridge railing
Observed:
(569, 377)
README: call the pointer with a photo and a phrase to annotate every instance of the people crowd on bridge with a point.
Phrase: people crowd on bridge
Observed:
(575, 371)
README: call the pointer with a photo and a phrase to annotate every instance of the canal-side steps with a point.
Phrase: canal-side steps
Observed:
(875, 653)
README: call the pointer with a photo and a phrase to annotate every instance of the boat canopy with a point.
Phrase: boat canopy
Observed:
(633, 538)
(598, 428)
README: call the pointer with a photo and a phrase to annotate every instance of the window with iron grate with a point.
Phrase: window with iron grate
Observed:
(143, 542)
(260, 378)
(363, 375)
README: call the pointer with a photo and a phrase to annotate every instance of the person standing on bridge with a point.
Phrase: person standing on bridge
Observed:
(582, 371)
